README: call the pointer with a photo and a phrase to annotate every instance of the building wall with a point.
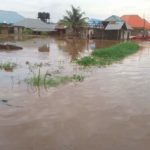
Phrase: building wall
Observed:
(98, 34)
(112, 35)
(18, 30)
(136, 32)
(125, 34)
(4, 30)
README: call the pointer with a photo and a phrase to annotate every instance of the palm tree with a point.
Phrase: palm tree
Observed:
(74, 19)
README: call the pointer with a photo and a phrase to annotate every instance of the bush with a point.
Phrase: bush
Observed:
(27, 31)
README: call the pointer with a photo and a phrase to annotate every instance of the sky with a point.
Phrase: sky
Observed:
(100, 9)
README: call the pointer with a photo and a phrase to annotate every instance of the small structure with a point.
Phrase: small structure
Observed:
(140, 26)
(116, 29)
(61, 29)
(96, 28)
(113, 28)
(36, 25)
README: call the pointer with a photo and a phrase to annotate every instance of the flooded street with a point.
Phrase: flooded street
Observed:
(110, 110)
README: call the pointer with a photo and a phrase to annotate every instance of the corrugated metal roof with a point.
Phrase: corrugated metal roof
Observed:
(114, 26)
(10, 17)
(114, 18)
(94, 23)
(35, 25)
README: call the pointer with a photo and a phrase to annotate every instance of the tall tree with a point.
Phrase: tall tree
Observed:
(74, 19)
(43, 16)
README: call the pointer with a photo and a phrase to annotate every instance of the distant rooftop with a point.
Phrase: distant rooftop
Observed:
(35, 25)
(94, 22)
(10, 17)
(114, 18)
(136, 21)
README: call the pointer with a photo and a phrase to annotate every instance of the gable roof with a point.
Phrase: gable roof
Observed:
(35, 25)
(114, 26)
(9, 17)
(114, 18)
(136, 21)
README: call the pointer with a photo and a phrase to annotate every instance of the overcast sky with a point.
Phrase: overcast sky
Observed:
(93, 8)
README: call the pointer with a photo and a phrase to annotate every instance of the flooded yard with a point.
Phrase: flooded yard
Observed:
(107, 111)
(54, 55)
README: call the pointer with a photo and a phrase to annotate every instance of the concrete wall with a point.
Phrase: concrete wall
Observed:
(4, 30)
(18, 30)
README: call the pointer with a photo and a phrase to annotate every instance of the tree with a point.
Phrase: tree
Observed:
(74, 19)
(44, 16)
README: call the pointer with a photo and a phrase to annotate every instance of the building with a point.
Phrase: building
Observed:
(61, 29)
(96, 28)
(113, 28)
(116, 29)
(140, 26)
(7, 19)
(35, 25)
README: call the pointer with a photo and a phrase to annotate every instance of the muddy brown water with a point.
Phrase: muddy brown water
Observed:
(110, 110)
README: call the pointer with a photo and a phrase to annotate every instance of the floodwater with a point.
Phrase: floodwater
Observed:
(110, 110)
(55, 55)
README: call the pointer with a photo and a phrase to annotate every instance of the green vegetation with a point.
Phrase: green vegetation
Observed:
(44, 34)
(107, 56)
(52, 81)
(7, 66)
(27, 31)
(74, 19)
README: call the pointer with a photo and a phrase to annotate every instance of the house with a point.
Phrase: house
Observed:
(116, 29)
(35, 25)
(7, 19)
(96, 28)
(113, 28)
(61, 29)
(140, 26)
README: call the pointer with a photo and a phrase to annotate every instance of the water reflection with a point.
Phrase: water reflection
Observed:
(74, 47)
(44, 48)
(57, 52)
(18, 37)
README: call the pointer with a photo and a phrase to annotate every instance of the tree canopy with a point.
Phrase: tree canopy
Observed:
(74, 18)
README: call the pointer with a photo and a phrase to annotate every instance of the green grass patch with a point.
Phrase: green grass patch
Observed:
(7, 66)
(52, 81)
(107, 56)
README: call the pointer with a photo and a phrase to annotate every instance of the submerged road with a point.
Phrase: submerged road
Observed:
(110, 110)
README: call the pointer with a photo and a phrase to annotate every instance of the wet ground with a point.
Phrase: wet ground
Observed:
(108, 111)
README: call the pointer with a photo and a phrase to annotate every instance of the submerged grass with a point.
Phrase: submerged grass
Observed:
(107, 56)
(52, 81)
(7, 66)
